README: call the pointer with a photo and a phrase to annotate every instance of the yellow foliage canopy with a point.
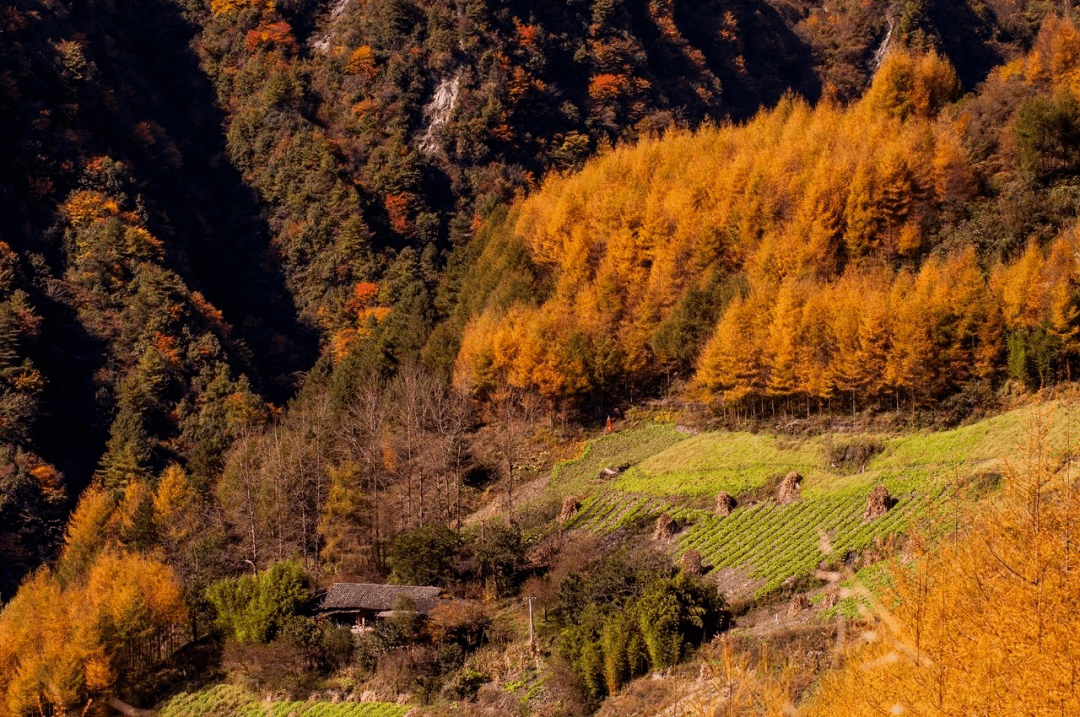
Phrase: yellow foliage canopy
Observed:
(65, 635)
(232, 7)
(828, 213)
(361, 62)
(795, 198)
(986, 624)
(907, 83)
(61, 645)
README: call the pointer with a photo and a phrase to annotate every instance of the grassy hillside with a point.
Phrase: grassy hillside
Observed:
(739, 461)
(668, 471)
(225, 700)
(618, 449)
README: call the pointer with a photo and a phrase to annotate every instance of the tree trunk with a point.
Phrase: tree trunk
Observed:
(510, 488)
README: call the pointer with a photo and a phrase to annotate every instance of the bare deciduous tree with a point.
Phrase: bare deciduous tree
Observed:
(515, 414)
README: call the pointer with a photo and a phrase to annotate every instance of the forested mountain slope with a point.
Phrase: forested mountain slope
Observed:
(893, 252)
(245, 245)
(138, 282)
(304, 169)
(378, 134)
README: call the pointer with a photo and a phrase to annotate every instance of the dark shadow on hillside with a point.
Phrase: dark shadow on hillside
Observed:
(761, 62)
(303, 15)
(138, 96)
(965, 38)
(747, 44)
(76, 411)
(198, 204)
(678, 52)
(86, 79)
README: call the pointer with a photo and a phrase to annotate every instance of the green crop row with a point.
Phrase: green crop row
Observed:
(229, 701)
(611, 510)
(594, 510)
(321, 709)
(771, 542)
(774, 543)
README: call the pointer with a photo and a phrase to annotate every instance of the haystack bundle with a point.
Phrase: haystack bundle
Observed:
(666, 528)
(799, 602)
(877, 503)
(788, 490)
(690, 563)
(724, 503)
(570, 507)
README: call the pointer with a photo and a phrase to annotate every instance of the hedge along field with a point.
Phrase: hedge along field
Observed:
(229, 701)
(771, 542)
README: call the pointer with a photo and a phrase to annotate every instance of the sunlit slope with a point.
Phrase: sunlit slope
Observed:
(640, 237)
(925, 473)
(737, 462)
(895, 252)
(228, 701)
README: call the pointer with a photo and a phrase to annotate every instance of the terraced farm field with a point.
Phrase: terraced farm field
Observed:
(770, 542)
(712, 462)
(775, 542)
(607, 511)
(618, 449)
(229, 701)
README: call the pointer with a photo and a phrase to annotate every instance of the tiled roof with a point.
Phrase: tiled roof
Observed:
(373, 596)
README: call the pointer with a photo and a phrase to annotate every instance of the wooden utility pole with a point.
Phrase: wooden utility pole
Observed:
(532, 632)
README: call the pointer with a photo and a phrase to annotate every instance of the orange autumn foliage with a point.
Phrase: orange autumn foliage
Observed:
(174, 501)
(362, 316)
(364, 293)
(232, 7)
(826, 218)
(986, 622)
(52, 483)
(340, 343)
(913, 84)
(399, 208)
(66, 635)
(61, 644)
(607, 87)
(798, 197)
(871, 332)
(271, 35)
(362, 62)
(86, 206)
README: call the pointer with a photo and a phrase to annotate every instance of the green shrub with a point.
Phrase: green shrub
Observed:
(465, 684)
(425, 556)
(623, 619)
(500, 552)
(1048, 133)
(255, 610)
